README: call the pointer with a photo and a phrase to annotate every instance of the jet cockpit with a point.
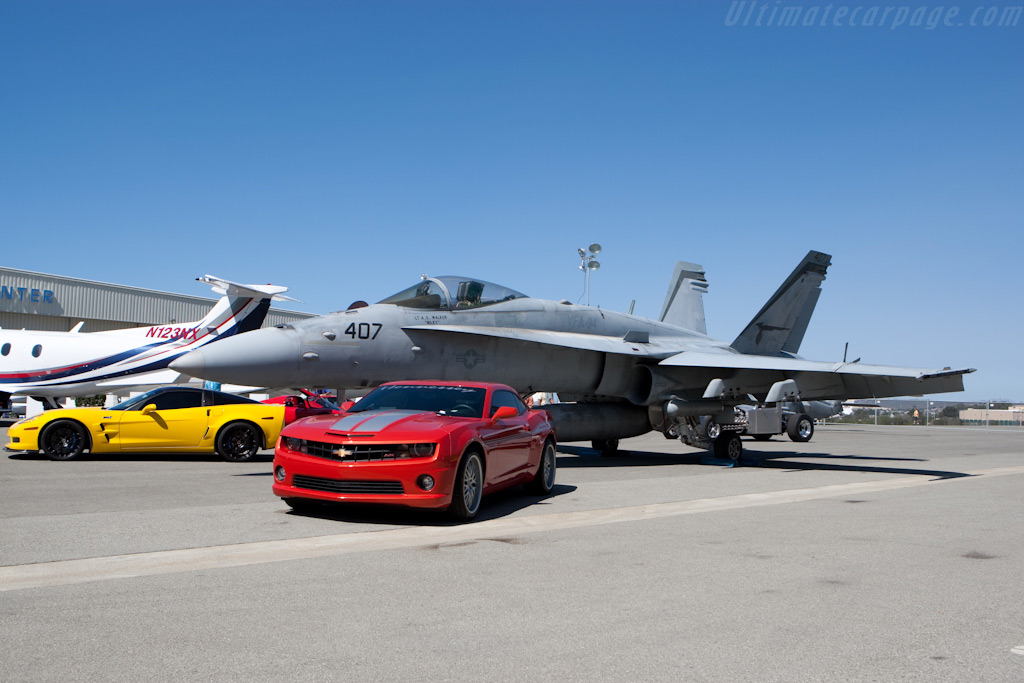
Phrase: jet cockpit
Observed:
(451, 292)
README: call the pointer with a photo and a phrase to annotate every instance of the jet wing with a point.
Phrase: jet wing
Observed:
(822, 379)
(632, 344)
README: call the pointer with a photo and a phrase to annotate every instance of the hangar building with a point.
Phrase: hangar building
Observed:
(38, 301)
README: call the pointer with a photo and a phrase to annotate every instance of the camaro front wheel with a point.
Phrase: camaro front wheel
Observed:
(238, 442)
(469, 488)
(62, 440)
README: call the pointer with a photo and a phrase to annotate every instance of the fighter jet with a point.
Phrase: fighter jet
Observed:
(618, 375)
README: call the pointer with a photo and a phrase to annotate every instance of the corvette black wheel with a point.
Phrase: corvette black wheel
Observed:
(63, 440)
(238, 442)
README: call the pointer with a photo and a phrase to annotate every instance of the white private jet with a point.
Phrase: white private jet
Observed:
(51, 365)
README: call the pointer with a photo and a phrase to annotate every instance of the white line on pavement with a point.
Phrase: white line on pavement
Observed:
(66, 572)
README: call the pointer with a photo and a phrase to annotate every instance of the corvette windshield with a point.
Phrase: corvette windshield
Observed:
(444, 400)
(452, 291)
(137, 401)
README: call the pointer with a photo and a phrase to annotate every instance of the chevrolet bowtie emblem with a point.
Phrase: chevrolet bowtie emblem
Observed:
(343, 453)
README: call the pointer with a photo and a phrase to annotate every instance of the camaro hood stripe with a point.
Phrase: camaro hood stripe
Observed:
(372, 420)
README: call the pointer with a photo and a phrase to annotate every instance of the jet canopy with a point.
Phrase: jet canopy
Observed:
(452, 292)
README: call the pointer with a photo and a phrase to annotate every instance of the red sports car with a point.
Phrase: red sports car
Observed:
(307, 405)
(422, 444)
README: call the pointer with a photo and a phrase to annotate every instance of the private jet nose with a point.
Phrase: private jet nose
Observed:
(265, 358)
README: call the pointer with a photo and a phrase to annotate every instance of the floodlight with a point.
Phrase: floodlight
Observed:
(595, 248)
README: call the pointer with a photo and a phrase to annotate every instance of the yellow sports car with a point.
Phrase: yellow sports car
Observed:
(176, 419)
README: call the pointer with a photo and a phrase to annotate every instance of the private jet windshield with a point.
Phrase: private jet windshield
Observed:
(452, 293)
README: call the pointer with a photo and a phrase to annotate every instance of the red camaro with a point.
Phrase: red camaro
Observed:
(307, 405)
(422, 444)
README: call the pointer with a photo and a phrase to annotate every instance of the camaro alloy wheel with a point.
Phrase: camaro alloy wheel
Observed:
(544, 480)
(469, 488)
(62, 440)
(238, 442)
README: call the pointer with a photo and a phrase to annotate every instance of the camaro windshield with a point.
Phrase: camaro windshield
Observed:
(444, 400)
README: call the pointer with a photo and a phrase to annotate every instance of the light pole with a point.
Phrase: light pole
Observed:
(588, 262)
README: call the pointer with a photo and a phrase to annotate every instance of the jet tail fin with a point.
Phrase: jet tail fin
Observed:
(241, 308)
(684, 301)
(234, 289)
(780, 325)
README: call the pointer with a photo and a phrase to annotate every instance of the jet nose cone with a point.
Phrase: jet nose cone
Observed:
(263, 358)
(192, 363)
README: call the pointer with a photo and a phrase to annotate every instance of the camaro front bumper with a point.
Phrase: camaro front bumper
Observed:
(395, 482)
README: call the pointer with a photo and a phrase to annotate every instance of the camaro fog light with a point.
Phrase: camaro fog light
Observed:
(425, 482)
(279, 473)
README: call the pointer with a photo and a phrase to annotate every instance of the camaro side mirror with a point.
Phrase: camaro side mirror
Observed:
(150, 408)
(503, 412)
(346, 405)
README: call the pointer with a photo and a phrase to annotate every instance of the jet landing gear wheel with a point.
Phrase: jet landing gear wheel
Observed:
(729, 447)
(712, 429)
(800, 428)
(606, 447)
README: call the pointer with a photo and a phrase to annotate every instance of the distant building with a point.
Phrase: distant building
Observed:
(1012, 416)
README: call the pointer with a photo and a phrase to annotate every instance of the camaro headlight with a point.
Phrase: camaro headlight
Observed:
(293, 444)
(414, 450)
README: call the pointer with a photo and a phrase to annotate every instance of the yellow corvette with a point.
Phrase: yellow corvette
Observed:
(175, 419)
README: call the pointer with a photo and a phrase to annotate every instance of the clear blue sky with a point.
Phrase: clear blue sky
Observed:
(343, 148)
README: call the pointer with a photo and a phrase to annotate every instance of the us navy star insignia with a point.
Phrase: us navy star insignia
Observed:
(470, 358)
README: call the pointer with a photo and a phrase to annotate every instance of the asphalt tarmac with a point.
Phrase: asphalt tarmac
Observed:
(868, 554)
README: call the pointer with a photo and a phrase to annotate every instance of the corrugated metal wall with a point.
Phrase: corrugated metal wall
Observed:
(38, 301)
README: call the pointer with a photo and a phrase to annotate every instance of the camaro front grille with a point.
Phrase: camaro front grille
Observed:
(357, 452)
(347, 485)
